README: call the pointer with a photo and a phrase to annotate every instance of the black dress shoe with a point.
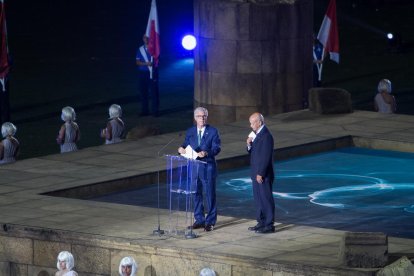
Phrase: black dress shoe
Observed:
(266, 230)
(255, 228)
(196, 225)
(209, 228)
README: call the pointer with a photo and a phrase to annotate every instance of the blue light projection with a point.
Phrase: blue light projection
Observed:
(352, 189)
(366, 196)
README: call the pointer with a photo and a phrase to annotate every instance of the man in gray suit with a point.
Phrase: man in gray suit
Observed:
(260, 147)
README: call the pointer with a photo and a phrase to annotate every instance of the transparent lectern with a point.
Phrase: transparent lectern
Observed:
(182, 185)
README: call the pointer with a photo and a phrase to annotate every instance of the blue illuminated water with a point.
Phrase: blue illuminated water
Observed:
(351, 189)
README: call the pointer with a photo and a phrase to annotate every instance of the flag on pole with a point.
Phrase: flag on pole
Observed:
(328, 33)
(4, 51)
(153, 33)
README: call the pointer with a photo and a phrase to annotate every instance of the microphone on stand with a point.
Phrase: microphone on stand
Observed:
(169, 142)
(159, 231)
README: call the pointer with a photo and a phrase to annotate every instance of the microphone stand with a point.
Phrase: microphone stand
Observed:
(159, 231)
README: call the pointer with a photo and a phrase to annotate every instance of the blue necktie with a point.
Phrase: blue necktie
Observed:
(199, 137)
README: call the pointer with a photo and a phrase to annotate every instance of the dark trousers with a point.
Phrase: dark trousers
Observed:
(316, 81)
(208, 187)
(265, 204)
(149, 90)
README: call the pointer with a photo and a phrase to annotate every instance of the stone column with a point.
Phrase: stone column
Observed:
(252, 55)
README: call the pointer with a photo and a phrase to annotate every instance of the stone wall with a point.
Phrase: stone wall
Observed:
(34, 253)
(26, 251)
(252, 56)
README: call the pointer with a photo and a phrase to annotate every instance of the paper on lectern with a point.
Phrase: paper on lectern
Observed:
(189, 153)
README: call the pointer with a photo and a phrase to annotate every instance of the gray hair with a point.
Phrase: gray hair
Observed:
(128, 261)
(201, 109)
(115, 111)
(207, 272)
(66, 256)
(261, 118)
(8, 129)
(68, 114)
(384, 85)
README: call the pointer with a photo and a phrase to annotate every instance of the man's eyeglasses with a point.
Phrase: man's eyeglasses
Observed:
(201, 116)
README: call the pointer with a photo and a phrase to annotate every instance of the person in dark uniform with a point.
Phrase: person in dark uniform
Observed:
(317, 62)
(148, 79)
(260, 146)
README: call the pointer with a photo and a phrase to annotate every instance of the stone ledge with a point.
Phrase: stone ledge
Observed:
(330, 101)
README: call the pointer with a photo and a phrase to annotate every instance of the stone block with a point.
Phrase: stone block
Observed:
(291, 55)
(229, 23)
(46, 252)
(4, 268)
(263, 23)
(19, 270)
(289, 22)
(243, 113)
(364, 249)
(270, 59)
(293, 83)
(330, 100)
(204, 19)
(202, 83)
(402, 267)
(219, 56)
(249, 57)
(17, 250)
(219, 113)
(41, 271)
(90, 259)
(274, 98)
(249, 90)
(222, 89)
(186, 265)
(248, 271)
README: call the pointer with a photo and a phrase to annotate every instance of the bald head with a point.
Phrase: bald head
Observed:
(256, 121)
(257, 116)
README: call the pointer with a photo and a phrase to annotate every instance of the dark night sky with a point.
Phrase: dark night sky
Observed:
(55, 29)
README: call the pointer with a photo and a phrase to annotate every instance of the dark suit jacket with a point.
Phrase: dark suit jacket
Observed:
(261, 155)
(210, 142)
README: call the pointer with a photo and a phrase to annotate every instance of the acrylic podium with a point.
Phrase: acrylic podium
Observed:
(181, 184)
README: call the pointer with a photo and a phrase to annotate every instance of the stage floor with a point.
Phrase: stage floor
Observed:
(350, 189)
(31, 217)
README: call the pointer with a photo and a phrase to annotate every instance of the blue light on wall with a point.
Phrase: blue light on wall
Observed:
(189, 42)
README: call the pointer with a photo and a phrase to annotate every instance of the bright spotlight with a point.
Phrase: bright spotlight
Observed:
(189, 42)
(390, 36)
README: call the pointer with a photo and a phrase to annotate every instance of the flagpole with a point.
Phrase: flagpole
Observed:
(321, 65)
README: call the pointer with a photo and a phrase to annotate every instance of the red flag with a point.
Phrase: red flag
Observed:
(153, 33)
(328, 33)
(4, 51)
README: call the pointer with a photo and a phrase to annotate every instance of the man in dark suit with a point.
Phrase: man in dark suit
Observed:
(260, 146)
(205, 141)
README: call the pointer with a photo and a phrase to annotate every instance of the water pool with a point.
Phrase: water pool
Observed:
(351, 189)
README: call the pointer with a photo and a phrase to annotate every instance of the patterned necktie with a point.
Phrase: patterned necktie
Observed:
(199, 137)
